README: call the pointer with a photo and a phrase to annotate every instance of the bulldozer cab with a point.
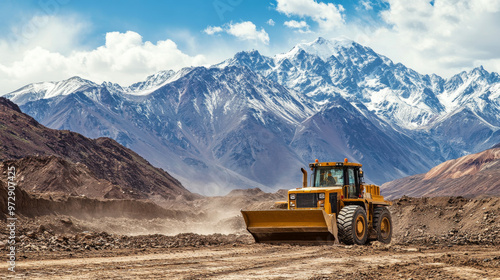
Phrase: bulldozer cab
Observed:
(348, 177)
(328, 177)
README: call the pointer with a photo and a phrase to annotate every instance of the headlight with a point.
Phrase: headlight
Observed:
(321, 196)
(292, 196)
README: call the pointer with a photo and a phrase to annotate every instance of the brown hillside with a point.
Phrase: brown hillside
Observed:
(64, 161)
(471, 175)
(52, 174)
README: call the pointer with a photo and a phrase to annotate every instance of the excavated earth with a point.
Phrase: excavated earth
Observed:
(434, 238)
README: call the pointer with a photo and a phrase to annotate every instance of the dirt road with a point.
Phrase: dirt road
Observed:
(258, 261)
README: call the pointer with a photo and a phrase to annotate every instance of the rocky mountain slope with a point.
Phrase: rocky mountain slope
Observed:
(472, 175)
(253, 120)
(48, 160)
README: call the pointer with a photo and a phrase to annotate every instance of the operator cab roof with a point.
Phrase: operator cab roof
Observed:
(333, 164)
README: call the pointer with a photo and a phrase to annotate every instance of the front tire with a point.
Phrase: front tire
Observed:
(382, 224)
(352, 225)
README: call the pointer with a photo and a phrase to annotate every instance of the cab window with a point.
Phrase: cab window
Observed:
(352, 190)
(329, 177)
(350, 172)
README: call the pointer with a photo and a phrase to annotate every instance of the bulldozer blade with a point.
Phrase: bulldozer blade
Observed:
(291, 226)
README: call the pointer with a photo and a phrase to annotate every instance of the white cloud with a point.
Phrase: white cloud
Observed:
(248, 31)
(443, 38)
(125, 58)
(271, 22)
(296, 24)
(211, 30)
(300, 26)
(366, 5)
(244, 31)
(327, 15)
(127, 53)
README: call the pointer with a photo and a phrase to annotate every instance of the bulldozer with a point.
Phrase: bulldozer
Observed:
(337, 206)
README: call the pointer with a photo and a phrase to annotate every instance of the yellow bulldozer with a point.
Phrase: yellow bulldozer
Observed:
(336, 206)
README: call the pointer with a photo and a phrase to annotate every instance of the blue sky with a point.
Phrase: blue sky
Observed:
(154, 19)
(158, 20)
(124, 41)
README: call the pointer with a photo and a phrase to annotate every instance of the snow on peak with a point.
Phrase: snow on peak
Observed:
(151, 83)
(45, 90)
(249, 58)
(322, 47)
(72, 84)
(480, 72)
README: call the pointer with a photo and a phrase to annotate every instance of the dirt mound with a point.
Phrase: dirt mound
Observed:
(246, 192)
(34, 206)
(79, 160)
(230, 205)
(256, 192)
(446, 220)
(470, 176)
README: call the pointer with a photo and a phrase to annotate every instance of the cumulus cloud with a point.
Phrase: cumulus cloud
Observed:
(327, 15)
(124, 58)
(271, 22)
(300, 26)
(211, 30)
(366, 5)
(126, 52)
(445, 37)
(248, 31)
(244, 31)
(296, 24)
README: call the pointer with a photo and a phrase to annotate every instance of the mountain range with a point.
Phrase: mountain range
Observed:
(254, 120)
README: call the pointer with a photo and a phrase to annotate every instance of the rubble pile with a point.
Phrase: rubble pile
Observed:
(47, 240)
(446, 221)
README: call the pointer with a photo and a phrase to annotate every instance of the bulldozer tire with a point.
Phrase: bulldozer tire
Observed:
(382, 224)
(352, 225)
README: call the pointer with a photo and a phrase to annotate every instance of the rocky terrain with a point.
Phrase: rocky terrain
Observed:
(471, 176)
(441, 237)
(63, 162)
(423, 221)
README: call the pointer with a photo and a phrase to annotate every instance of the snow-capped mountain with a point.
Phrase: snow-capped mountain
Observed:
(414, 104)
(323, 68)
(254, 120)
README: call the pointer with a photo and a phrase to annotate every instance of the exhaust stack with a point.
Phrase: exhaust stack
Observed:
(304, 177)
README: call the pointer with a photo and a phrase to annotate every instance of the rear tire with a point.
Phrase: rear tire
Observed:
(352, 225)
(382, 224)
